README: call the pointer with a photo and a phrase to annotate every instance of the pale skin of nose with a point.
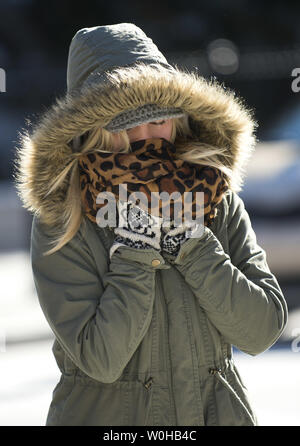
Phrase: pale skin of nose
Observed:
(155, 129)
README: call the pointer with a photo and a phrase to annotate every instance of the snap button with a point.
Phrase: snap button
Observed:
(155, 262)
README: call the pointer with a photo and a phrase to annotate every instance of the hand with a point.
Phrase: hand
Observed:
(174, 236)
(142, 231)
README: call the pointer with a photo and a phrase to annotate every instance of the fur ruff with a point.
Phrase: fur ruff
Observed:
(221, 118)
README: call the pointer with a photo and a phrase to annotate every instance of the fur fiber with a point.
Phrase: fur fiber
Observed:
(220, 119)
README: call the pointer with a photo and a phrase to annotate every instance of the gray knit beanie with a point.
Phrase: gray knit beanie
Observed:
(141, 115)
(95, 51)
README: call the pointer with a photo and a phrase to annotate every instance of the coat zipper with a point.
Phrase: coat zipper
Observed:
(168, 350)
(217, 372)
(148, 383)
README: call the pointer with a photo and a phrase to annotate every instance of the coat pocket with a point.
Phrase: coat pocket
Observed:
(238, 412)
(82, 401)
(140, 403)
(149, 404)
(91, 403)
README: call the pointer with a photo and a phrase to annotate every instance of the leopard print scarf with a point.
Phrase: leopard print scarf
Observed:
(151, 166)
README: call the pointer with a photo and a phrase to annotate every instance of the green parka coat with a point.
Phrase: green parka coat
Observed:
(138, 342)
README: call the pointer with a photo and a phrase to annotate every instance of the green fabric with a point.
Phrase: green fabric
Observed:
(96, 50)
(135, 343)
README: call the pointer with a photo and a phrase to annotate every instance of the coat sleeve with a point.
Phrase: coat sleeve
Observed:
(98, 318)
(240, 295)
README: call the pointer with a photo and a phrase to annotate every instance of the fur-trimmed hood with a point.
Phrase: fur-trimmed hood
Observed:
(216, 115)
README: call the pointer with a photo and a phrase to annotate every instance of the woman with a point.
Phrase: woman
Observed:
(145, 315)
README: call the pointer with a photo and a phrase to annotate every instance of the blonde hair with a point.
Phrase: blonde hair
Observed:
(99, 139)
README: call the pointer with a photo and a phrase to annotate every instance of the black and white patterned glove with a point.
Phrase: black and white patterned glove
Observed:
(174, 236)
(143, 230)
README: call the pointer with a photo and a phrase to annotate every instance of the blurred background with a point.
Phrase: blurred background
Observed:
(252, 47)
